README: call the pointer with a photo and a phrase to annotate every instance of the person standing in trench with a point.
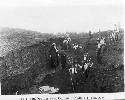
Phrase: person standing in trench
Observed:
(54, 56)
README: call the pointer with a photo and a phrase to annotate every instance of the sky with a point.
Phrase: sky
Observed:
(61, 15)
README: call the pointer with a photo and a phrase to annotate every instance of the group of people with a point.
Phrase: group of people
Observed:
(80, 69)
(75, 66)
(56, 57)
(101, 43)
(115, 34)
(57, 54)
(76, 46)
(66, 43)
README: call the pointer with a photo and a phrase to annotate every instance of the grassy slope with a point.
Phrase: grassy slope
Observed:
(102, 78)
(108, 77)
(11, 39)
(24, 58)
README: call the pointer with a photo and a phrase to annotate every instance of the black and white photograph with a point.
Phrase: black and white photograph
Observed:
(61, 47)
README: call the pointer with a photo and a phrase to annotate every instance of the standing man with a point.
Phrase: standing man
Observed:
(54, 56)
(100, 49)
(90, 34)
(67, 41)
(65, 44)
(63, 59)
(73, 72)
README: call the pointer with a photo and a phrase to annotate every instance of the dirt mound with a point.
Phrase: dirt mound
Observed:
(22, 66)
(25, 65)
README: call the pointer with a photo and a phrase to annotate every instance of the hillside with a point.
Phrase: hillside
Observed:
(15, 38)
(25, 65)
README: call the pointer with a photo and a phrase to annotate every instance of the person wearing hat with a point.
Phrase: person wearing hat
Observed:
(53, 54)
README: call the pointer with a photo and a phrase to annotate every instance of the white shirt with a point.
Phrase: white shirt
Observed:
(80, 66)
(65, 41)
(80, 46)
(75, 46)
(85, 57)
(56, 49)
(73, 70)
(91, 65)
(86, 66)
(102, 41)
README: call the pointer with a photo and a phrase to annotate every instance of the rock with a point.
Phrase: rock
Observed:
(48, 90)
